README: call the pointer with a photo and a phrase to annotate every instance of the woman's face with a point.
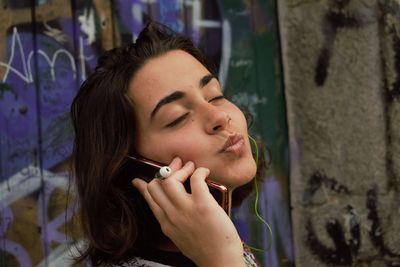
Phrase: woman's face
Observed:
(180, 112)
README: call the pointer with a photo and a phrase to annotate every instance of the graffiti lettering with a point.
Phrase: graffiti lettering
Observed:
(376, 233)
(87, 23)
(336, 19)
(173, 13)
(318, 180)
(333, 20)
(26, 63)
(391, 11)
(346, 236)
(21, 185)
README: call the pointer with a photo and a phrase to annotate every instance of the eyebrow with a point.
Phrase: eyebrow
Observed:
(179, 94)
(206, 79)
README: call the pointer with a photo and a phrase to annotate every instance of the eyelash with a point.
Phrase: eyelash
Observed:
(180, 119)
(217, 98)
(177, 121)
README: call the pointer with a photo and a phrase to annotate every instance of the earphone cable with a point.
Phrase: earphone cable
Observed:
(259, 217)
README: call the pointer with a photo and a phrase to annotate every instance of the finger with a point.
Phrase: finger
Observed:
(183, 173)
(174, 188)
(175, 164)
(158, 194)
(198, 184)
(141, 186)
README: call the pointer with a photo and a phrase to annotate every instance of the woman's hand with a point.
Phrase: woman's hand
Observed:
(195, 222)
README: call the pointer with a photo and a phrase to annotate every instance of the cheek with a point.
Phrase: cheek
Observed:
(164, 148)
(185, 146)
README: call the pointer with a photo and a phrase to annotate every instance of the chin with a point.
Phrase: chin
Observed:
(245, 177)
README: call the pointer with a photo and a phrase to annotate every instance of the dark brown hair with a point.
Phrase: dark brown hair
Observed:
(116, 221)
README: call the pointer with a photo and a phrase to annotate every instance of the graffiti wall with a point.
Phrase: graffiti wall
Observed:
(341, 64)
(48, 47)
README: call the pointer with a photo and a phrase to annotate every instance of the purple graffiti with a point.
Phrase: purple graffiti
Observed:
(47, 77)
(274, 208)
(13, 248)
(180, 16)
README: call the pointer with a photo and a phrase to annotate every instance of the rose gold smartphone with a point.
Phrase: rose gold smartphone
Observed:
(147, 170)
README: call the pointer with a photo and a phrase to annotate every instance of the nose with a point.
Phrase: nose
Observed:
(215, 119)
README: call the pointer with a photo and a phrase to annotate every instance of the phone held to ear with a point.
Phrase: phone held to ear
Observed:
(148, 169)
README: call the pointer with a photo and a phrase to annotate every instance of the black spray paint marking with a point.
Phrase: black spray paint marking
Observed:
(340, 255)
(353, 227)
(376, 232)
(391, 9)
(333, 20)
(395, 90)
(346, 250)
(319, 179)
(336, 19)
(343, 251)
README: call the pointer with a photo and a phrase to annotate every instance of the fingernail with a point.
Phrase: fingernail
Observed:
(134, 182)
(189, 164)
(175, 160)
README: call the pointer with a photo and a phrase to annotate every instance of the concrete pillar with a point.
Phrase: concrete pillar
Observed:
(341, 63)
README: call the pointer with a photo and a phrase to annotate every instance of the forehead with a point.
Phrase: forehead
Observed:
(160, 76)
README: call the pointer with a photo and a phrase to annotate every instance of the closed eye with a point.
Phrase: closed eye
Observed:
(216, 98)
(178, 120)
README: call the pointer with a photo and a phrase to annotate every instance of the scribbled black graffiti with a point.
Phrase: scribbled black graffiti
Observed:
(344, 250)
(346, 236)
(376, 232)
(340, 255)
(319, 179)
(394, 91)
(338, 18)
(335, 19)
(390, 10)
(354, 228)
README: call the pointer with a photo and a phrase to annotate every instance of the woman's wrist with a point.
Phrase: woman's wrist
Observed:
(227, 258)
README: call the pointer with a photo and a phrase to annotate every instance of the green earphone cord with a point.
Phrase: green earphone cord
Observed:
(256, 205)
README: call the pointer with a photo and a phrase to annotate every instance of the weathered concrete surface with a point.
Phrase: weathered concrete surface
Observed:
(342, 80)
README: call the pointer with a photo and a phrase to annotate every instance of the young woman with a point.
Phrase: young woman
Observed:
(159, 99)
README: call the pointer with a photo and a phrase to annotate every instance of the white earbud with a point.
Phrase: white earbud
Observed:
(165, 172)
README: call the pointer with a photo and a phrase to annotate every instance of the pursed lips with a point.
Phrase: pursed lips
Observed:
(234, 143)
